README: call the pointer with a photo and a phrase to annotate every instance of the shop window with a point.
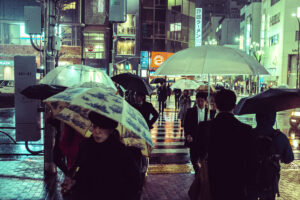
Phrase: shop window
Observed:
(274, 40)
(94, 46)
(126, 46)
(128, 27)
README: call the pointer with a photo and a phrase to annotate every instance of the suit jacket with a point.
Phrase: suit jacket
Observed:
(228, 154)
(191, 121)
(146, 109)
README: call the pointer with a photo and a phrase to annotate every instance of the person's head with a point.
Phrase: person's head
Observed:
(201, 99)
(265, 119)
(225, 100)
(140, 97)
(185, 92)
(102, 127)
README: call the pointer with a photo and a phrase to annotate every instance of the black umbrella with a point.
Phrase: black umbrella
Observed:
(133, 82)
(157, 80)
(272, 100)
(41, 91)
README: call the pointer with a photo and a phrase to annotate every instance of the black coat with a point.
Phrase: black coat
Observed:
(191, 121)
(228, 155)
(106, 171)
(146, 109)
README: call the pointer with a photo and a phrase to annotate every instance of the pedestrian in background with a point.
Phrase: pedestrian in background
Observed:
(184, 104)
(177, 94)
(146, 109)
(162, 97)
(193, 117)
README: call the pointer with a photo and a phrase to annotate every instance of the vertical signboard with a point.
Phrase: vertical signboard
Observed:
(198, 27)
(26, 115)
(144, 59)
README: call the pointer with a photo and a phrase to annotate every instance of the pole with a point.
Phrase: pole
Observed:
(298, 70)
(49, 55)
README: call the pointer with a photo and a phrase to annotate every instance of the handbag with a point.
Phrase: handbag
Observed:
(200, 189)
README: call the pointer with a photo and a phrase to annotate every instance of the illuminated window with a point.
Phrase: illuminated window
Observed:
(127, 28)
(126, 46)
(69, 6)
(274, 40)
(94, 46)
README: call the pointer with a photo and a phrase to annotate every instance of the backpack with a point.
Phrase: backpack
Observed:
(267, 164)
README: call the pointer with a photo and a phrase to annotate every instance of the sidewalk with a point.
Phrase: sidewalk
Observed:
(22, 178)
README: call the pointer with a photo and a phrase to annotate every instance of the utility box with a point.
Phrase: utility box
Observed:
(33, 19)
(117, 10)
(26, 113)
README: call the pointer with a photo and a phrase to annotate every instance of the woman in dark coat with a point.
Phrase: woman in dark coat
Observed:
(104, 169)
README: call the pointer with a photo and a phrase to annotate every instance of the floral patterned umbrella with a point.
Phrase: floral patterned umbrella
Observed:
(73, 105)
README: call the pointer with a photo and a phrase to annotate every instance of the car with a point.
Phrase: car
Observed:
(7, 87)
(295, 118)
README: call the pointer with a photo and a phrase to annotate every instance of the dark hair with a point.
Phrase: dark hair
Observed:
(140, 94)
(101, 121)
(225, 100)
(202, 95)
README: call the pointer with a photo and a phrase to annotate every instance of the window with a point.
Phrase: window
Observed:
(297, 36)
(126, 46)
(128, 27)
(94, 46)
(274, 2)
(274, 40)
(275, 19)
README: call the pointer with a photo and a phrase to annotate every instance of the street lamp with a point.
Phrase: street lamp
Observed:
(298, 37)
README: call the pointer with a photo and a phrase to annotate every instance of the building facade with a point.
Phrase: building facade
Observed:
(279, 40)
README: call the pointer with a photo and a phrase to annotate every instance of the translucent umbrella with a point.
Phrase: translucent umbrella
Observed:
(210, 60)
(185, 84)
(72, 75)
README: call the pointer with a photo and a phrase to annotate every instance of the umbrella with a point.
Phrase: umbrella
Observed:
(73, 105)
(133, 82)
(210, 60)
(71, 75)
(157, 80)
(271, 100)
(185, 84)
(204, 88)
(41, 91)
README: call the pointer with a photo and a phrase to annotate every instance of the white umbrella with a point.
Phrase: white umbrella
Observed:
(185, 84)
(72, 75)
(210, 60)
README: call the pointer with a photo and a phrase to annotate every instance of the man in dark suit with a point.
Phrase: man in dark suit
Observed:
(194, 115)
(228, 150)
(146, 109)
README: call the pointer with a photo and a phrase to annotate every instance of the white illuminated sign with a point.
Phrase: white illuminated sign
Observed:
(143, 73)
(198, 27)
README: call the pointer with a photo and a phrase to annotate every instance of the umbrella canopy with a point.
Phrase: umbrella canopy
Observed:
(185, 84)
(271, 100)
(157, 80)
(71, 75)
(133, 82)
(41, 91)
(210, 60)
(73, 105)
(204, 88)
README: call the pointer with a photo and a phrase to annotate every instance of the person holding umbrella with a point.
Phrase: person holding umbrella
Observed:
(146, 109)
(184, 104)
(104, 168)
(264, 178)
(162, 97)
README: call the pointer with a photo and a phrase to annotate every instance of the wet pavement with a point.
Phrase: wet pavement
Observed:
(170, 172)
